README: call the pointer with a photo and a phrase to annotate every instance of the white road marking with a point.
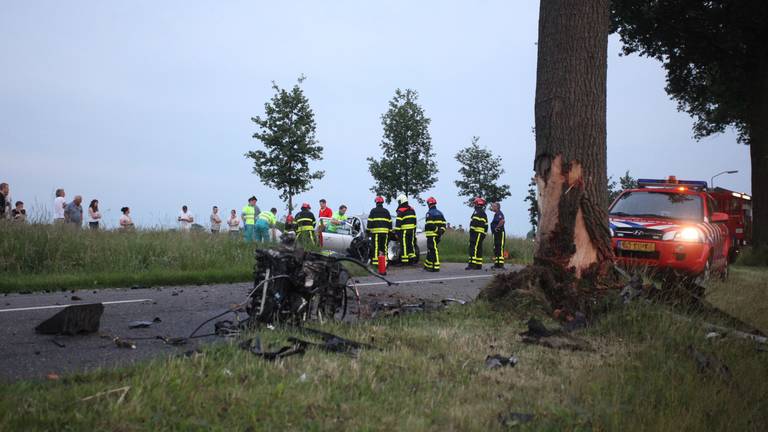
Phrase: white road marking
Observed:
(427, 280)
(63, 306)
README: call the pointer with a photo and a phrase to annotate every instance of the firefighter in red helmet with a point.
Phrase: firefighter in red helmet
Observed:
(478, 226)
(434, 228)
(305, 225)
(379, 225)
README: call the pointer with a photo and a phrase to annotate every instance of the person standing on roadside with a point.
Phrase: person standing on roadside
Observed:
(434, 228)
(73, 214)
(249, 213)
(19, 214)
(234, 224)
(94, 215)
(324, 215)
(379, 225)
(5, 201)
(215, 221)
(499, 235)
(59, 205)
(185, 219)
(478, 226)
(126, 223)
(305, 225)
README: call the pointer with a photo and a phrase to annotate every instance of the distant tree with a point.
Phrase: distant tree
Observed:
(533, 205)
(287, 132)
(716, 58)
(407, 164)
(480, 172)
(614, 189)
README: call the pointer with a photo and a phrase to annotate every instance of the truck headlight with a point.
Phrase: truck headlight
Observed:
(690, 234)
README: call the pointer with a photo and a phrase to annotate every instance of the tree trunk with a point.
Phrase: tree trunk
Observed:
(290, 204)
(570, 164)
(758, 151)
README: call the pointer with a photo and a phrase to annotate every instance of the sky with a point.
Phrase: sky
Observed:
(148, 104)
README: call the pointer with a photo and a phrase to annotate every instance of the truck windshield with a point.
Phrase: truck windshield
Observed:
(666, 205)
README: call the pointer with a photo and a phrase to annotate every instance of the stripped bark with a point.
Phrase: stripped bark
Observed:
(570, 163)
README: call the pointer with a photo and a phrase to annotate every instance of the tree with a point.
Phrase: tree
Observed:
(287, 132)
(716, 59)
(533, 205)
(570, 162)
(480, 172)
(614, 189)
(407, 164)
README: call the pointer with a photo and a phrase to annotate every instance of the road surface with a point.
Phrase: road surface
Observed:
(25, 354)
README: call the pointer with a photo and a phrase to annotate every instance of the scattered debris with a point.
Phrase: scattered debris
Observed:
(303, 377)
(175, 293)
(73, 320)
(135, 287)
(574, 322)
(709, 364)
(175, 341)
(52, 377)
(633, 289)
(124, 343)
(514, 419)
(253, 345)
(447, 301)
(76, 298)
(227, 372)
(538, 334)
(193, 353)
(139, 324)
(122, 391)
(497, 361)
(58, 344)
(712, 335)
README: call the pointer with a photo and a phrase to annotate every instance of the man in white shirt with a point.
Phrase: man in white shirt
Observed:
(215, 221)
(59, 204)
(185, 219)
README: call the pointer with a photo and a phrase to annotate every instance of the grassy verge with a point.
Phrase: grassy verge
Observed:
(428, 375)
(45, 257)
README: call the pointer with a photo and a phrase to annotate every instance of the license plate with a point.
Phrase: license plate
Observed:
(637, 246)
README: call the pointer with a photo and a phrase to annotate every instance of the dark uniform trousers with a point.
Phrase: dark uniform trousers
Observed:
(476, 248)
(499, 240)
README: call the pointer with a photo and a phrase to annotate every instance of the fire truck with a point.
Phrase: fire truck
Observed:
(738, 206)
(674, 226)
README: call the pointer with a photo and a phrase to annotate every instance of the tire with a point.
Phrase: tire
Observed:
(706, 274)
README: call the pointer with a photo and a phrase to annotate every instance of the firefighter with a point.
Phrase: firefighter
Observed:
(305, 225)
(434, 228)
(378, 226)
(499, 235)
(405, 228)
(477, 228)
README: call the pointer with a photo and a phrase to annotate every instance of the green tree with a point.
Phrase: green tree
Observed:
(716, 59)
(287, 132)
(480, 172)
(533, 205)
(614, 189)
(407, 164)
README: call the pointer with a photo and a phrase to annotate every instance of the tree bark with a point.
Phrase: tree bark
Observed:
(758, 149)
(570, 114)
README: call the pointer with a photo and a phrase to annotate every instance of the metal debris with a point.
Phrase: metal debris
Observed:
(515, 419)
(497, 361)
(124, 343)
(73, 320)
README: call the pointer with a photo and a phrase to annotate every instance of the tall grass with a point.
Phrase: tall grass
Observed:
(454, 247)
(40, 256)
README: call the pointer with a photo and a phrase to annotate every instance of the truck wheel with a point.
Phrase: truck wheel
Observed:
(706, 274)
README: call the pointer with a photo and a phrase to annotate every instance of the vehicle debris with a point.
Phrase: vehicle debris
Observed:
(253, 345)
(76, 298)
(538, 334)
(124, 343)
(58, 344)
(73, 320)
(449, 300)
(514, 419)
(497, 361)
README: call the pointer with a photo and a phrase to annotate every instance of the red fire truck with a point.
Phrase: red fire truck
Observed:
(738, 206)
(673, 226)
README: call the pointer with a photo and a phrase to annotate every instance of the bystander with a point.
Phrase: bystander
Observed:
(234, 224)
(215, 220)
(19, 214)
(59, 205)
(94, 215)
(73, 214)
(185, 219)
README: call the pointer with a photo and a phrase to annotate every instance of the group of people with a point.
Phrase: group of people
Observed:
(15, 212)
(71, 213)
(380, 228)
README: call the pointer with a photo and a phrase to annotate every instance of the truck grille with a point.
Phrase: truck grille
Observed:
(638, 233)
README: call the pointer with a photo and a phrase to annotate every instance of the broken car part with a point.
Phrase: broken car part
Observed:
(73, 320)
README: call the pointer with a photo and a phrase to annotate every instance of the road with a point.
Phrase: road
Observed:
(25, 354)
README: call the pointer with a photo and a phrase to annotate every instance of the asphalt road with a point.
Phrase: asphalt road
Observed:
(25, 354)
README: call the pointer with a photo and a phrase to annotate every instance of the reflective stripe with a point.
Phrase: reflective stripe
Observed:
(407, 226)
(478, 218)
(380, 220)
(478, 230)
(379, 230)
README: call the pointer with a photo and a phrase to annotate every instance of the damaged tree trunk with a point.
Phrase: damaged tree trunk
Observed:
(570, 110)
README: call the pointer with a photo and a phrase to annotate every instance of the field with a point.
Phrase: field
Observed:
(428, 373)
(45, 257)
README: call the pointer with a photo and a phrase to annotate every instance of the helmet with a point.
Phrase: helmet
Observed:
(402, 198)
(306, 206)
(379, 200)
(479, 201)
(431, 201)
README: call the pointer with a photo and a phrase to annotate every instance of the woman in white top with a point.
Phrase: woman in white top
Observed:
(58, 207)
(234, 224)
(94, 215)
(126, 224)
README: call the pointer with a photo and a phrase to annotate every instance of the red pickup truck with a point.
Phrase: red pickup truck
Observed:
(673, 226)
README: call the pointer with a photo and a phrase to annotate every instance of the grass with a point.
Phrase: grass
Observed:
(38, 257)
(454, 247)
(428, 375)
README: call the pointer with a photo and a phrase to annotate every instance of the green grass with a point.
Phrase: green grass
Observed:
(454, 247)
(40, 257)
(428, 375)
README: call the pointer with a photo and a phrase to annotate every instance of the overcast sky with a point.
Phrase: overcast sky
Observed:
(148, 104)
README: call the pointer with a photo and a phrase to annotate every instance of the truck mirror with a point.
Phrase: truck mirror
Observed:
(719, 217)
